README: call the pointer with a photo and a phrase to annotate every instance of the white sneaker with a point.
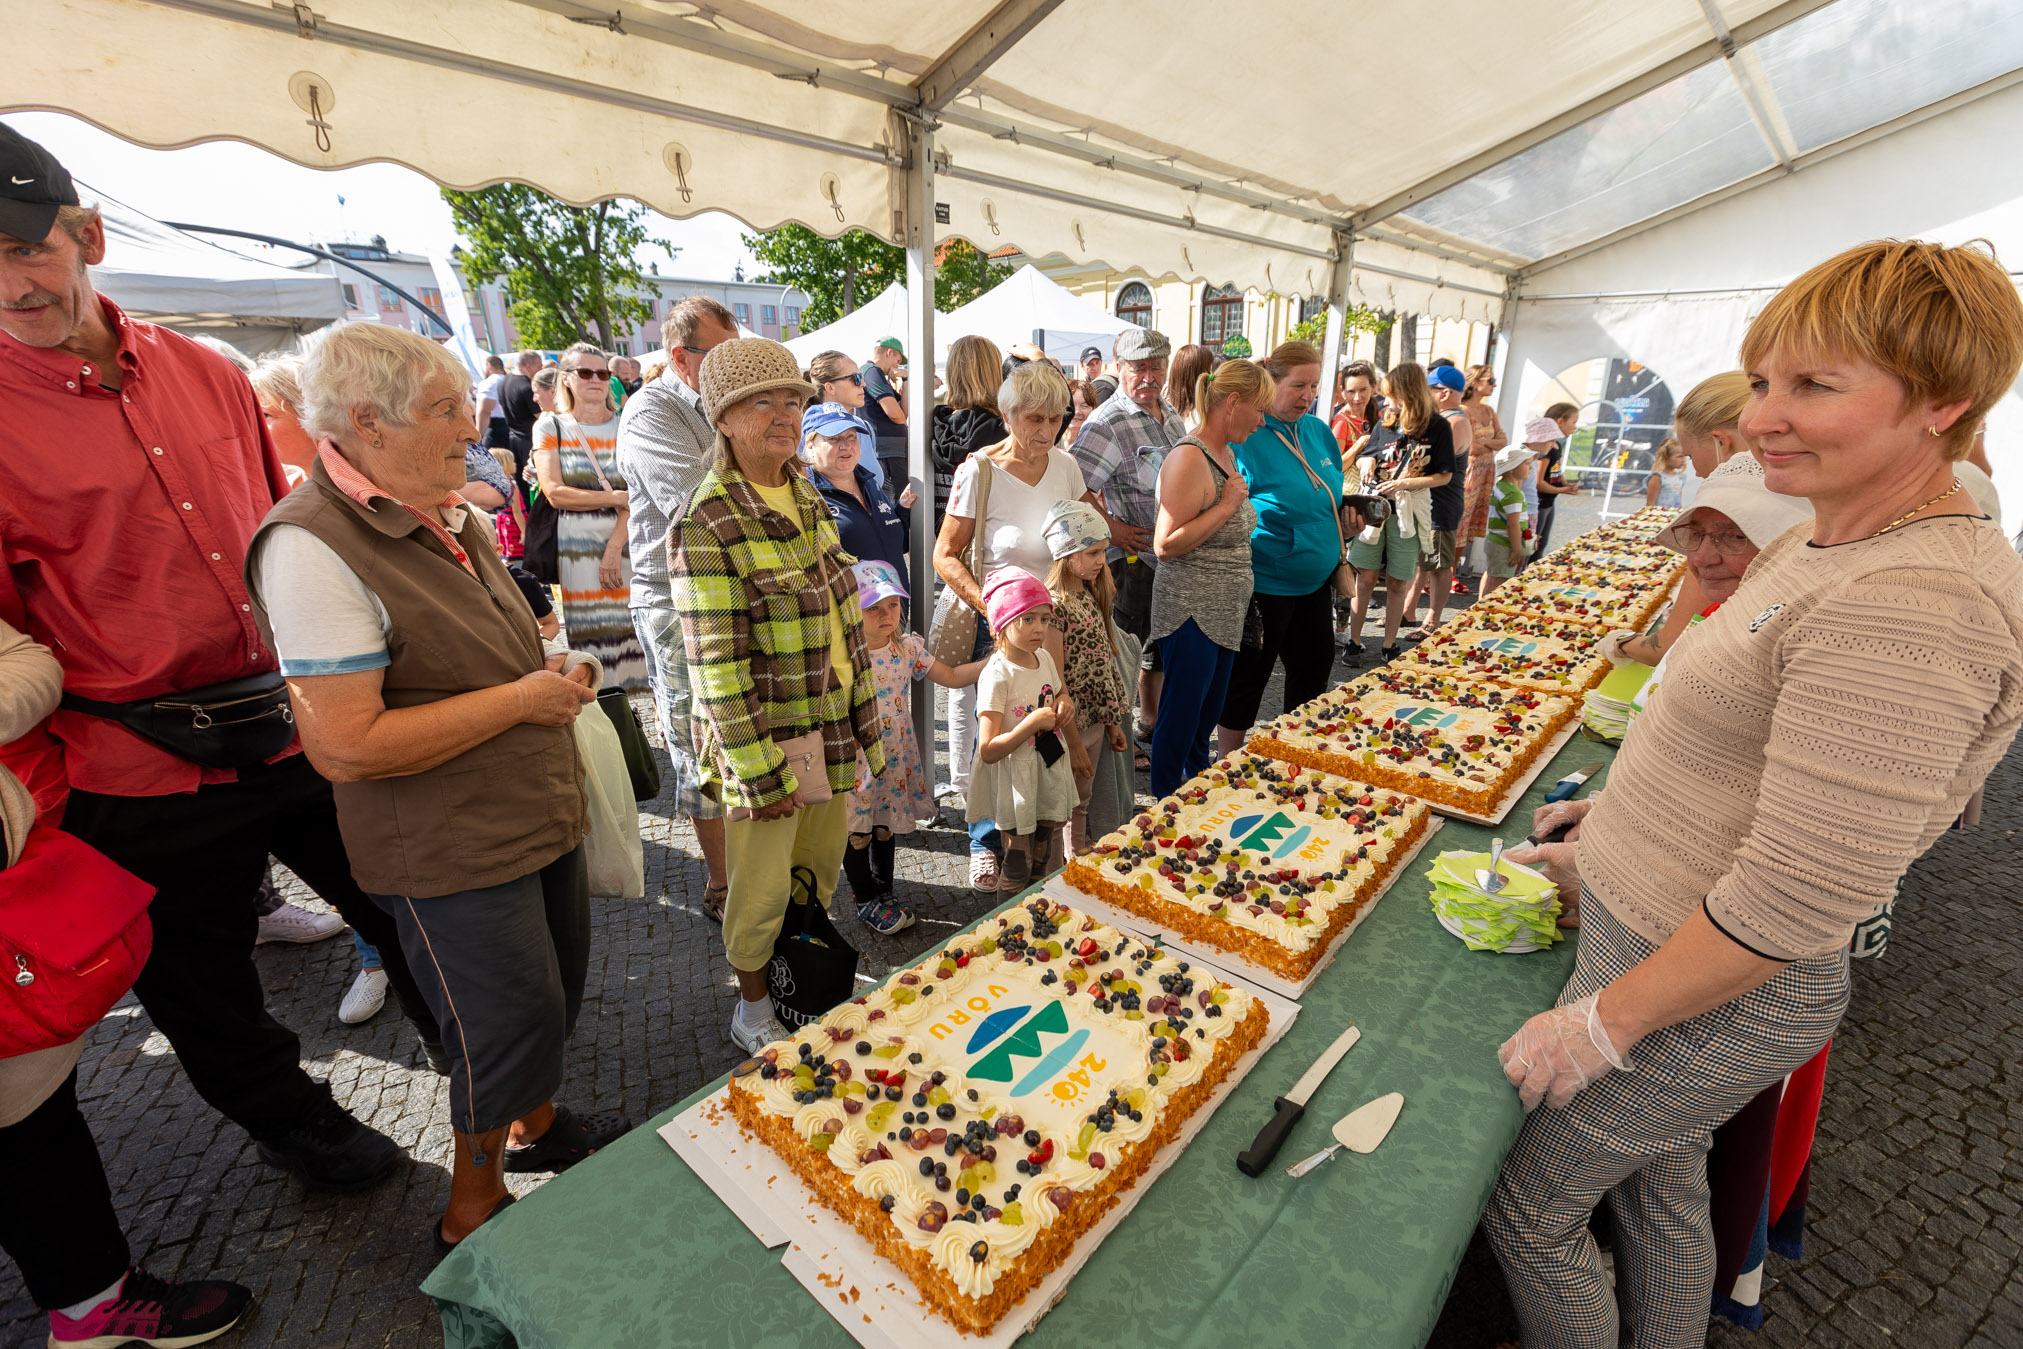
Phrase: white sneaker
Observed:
(364, 998)
(291, 923)
(753, 1038)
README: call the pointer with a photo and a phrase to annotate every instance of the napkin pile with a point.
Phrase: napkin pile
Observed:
(1613, 704)
(1522, 916)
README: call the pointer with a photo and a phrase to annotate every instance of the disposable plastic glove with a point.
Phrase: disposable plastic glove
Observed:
(1556, 1053)
(1547, 818)
(1560, 863)
(1611, 646)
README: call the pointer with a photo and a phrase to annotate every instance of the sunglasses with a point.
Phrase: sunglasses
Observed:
(582, 373)
(858, 380)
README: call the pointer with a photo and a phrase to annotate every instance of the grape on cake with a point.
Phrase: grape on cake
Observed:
(1580, 594)
(1452, 742)
(1549, 655)
(1261, 858)
(979, 1112)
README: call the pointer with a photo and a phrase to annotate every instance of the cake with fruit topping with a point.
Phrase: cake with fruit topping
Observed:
(975, 1115)
(1606, 559)
(1548, 655)
(1264, 859)
(1581, 594)
(1449, 741)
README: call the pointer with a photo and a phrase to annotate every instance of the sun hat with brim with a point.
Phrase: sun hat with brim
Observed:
(1539, 430)
(737, 369)
(1510, 456)
(1737, 490)
(833, 419)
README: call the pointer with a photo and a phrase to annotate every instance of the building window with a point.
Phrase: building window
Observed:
(1221, 315)
(794, 315)
(433, 298)
(389, 303)
(769, 314)
(350, 295)
(744, 313)
(1134, 304)
(623, 348)
(1316, 306)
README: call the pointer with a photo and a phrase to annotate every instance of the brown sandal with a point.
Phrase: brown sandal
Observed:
(714, 897)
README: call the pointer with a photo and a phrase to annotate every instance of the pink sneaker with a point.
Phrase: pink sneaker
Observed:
(156, 1312)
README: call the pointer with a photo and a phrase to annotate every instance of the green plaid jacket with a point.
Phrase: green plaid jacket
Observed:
(755, 626)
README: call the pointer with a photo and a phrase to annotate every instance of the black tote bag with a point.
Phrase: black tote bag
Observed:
(640, 765)
(813, 967)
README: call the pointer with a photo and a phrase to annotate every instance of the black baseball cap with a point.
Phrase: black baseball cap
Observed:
(1087, 352)
(32, 186)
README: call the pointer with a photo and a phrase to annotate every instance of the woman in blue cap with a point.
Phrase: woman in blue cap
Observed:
(833, 441)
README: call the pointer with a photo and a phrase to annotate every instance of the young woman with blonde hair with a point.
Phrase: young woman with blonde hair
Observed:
(968, 420)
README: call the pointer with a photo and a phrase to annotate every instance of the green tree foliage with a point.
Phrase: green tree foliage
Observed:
(837, 275)
(572, 272)
(1357, 318)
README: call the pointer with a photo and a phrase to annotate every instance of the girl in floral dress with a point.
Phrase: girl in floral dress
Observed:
(1083, 594)
(881, 808)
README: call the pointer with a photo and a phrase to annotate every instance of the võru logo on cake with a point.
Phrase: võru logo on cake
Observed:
(1506, 646)
(1571, 592)
(1439, 718)
(1006, 1038)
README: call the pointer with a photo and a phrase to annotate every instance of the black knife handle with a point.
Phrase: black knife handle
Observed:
(1265, 1146)
(1554, 836)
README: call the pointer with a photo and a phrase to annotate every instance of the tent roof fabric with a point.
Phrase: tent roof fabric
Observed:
(1060, 125)
(857, 331)
(153, 271)
(1025, 302)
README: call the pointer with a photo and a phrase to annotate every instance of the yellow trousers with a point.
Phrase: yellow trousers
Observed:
(762, 855)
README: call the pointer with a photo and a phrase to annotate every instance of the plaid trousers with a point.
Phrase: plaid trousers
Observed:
(1640, 1138)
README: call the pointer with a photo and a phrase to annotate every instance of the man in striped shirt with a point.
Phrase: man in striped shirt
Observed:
(664, 449)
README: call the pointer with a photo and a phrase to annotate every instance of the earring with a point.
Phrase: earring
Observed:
(1933, 432)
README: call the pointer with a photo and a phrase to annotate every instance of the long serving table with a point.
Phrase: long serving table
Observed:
(631, 1248)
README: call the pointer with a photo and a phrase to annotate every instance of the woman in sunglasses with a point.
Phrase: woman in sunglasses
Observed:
(836, 380)
(576, 467)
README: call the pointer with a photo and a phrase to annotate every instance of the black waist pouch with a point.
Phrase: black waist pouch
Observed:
(230, 725)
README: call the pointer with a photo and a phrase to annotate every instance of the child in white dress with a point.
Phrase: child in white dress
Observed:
(883, 807)
(1021, 779)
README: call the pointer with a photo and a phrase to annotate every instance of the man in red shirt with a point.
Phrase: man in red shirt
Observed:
(138, 467)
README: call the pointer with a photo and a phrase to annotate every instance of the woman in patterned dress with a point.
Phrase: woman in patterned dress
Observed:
(576, 464)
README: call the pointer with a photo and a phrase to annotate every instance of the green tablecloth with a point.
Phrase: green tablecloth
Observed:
(631, 1248)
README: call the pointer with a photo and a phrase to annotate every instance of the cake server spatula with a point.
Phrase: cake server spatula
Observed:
(1493, 880)
(1358, 1131)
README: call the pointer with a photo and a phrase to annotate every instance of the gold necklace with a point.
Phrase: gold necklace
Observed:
(1905, 517)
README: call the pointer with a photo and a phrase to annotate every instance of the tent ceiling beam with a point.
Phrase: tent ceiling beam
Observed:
(1001, 30)
(1692, 59)
(957, 171)
(1433, 281)
(1799, 164)
(1386, 234)
(1757, 95)
(521, 77)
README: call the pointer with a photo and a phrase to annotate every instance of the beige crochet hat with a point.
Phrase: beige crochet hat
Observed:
(743, 366)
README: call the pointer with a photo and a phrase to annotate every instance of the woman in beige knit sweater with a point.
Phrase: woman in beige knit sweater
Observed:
(1810, 741)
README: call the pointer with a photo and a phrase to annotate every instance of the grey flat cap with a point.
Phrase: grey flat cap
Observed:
(1143, 344)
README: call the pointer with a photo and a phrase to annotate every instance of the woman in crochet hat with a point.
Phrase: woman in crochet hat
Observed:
(776, 654)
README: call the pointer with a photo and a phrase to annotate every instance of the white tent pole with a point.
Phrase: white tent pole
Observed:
(919, 241)
(1338, 303)
(1506, 334)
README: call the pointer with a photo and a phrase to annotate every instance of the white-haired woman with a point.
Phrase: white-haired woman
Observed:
(576, 464)
(1019, 479)
(423, 691)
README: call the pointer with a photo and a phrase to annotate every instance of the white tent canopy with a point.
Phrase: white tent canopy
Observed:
(857, 331)
(1026, 303)
(168, 277)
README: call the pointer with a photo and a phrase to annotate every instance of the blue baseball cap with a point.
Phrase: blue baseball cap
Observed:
(1446, 377)
(833, 419)
(878, 581)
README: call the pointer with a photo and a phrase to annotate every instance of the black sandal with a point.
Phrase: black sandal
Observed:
(444, 1245)
(714, 897)
(569, 1140)
(1392, 653)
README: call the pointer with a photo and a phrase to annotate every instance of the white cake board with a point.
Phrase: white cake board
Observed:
(1229, 963)
(870, 1297)
(1518, 788)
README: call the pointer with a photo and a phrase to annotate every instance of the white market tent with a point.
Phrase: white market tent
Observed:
(1616, 179)
(857, 331)
(1026, 303)
(195, 287)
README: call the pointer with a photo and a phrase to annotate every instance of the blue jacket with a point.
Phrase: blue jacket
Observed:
(874, 529)
(1297, 544)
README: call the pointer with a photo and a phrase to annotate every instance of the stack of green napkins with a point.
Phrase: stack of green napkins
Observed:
(1612, 705)
(1522, 916)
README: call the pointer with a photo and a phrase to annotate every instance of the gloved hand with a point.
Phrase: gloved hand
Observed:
(1560, 862)
(1556, 1053)
(1611, 646)
(1547, 818)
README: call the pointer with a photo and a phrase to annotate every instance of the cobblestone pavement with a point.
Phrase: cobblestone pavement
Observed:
(1915, 1190)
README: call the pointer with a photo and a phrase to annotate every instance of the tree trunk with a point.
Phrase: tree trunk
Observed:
(849, 291)
(1380, 339)
(1408, 338)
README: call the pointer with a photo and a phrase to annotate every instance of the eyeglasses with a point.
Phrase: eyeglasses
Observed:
(581, 373)
(1727, 543)
(858, 380)
(696, 351)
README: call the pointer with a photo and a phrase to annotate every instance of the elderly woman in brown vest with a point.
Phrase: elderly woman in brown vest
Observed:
(784, 695)
(425, 693)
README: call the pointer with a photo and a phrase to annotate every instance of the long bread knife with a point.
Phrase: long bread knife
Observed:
(1292, 1105)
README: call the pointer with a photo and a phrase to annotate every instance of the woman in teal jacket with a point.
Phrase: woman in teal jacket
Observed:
(1294, 471)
